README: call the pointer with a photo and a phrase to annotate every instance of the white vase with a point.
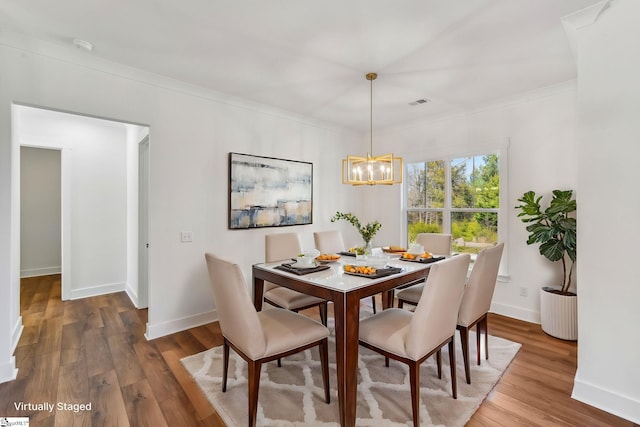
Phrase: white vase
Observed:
(559, 314)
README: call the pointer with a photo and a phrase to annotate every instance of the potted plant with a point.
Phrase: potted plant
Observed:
(554, 229)
(366, 231)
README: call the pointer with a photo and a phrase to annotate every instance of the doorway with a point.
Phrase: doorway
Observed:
(40, 212)
(99, 198)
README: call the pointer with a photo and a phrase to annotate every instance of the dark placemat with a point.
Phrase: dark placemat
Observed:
(301, 271)
(345, 253)
(425, 260)
(380, 272)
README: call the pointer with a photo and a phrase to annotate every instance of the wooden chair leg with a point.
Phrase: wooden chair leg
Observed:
(400, 303)
(373, 303)
(414, 380)
(439, 363)
(253, 386)
(464, 340)
(279, 363)
(324, 361)
(486, 337)
(323, 313)
(478, 333)
(225, 364)
(386, 361)
(452, 363)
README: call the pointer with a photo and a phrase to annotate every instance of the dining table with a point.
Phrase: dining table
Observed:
(345, 290)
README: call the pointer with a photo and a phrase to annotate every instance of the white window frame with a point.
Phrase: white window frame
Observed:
(502, 211)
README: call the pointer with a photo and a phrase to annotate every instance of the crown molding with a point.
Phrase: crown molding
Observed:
(580, 19)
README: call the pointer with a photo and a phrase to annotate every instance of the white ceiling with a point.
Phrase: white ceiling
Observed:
(310, 57)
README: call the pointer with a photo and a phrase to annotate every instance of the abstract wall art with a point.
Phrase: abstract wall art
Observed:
(269, 192)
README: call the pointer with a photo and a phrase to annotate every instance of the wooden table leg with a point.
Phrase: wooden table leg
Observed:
(347, 322)
(387, 299)
(258, 292)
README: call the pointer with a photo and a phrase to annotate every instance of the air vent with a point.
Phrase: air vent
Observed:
(420, 101)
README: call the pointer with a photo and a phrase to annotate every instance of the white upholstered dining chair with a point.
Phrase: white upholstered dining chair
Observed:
(435, 243)
(412, 337)
(283, 247)
(259, 337)
(476, 302)
(330, 242)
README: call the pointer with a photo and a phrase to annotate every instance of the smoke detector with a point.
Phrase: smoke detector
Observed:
(83, 44)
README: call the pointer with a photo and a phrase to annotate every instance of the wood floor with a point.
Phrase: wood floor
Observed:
(94, 351)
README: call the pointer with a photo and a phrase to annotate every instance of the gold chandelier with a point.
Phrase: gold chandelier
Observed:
(372, 170)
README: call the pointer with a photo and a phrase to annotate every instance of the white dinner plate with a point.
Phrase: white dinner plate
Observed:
(303, 266)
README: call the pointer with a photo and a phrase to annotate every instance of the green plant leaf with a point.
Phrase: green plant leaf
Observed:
(553, 250)
(539, 233)
(567, 224)
(530, 206)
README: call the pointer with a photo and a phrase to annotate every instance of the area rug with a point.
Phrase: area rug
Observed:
(293, 396)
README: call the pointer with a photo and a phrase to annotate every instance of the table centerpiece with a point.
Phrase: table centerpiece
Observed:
(366, 231)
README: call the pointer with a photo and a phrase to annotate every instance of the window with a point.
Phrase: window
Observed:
(460, 196)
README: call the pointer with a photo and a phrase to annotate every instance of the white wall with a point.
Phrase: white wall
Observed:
(539, 130)
(40, 214)
(609, 297)
(192, 133)
(98, 212)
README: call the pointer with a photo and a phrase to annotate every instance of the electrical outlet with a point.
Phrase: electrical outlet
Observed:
(524, 291)
(186, 236)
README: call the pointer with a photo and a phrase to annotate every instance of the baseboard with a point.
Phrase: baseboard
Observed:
(179, 325)
(35, 272)
(93, 291)
(133, 295)
(609, 401)
(8, 371)
(516, 312)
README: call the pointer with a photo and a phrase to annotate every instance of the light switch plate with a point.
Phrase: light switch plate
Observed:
(186, 236)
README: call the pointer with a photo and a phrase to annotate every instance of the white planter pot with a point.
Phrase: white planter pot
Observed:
(559, 315)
